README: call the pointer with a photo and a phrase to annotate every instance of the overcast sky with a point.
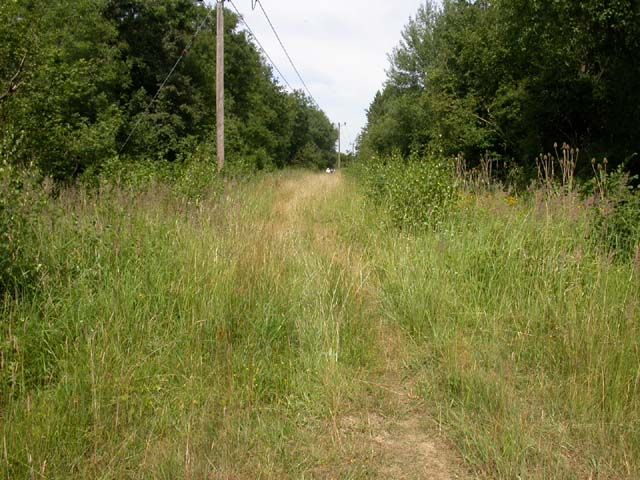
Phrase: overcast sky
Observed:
(339, 47)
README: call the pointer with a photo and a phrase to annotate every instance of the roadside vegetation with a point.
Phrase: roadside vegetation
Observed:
(256, 330)
(502, 152)
(523, 312)
(79, 94)
(508, 78)
(173, 339)
(454, 304)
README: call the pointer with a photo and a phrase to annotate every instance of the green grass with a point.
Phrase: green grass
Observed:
(172, 340)
(226, 338)
(528, 338)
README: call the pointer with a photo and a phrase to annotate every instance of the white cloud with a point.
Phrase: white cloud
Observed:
(340, 48)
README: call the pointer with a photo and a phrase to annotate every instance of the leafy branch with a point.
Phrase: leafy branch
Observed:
(15, 83)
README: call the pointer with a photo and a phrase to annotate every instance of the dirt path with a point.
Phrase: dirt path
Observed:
(389, 433)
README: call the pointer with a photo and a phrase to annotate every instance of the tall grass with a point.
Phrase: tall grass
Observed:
(228, 336)
(171, 340)
(527, 337)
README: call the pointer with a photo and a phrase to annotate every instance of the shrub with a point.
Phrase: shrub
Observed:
(125, 173)
(616, 211)
(196, 178)
(246, 164)
(20, 199)
(418, 192)
(310, 155)
(190, 178)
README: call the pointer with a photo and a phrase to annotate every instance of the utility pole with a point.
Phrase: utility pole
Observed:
(339, 143)
(220, 84)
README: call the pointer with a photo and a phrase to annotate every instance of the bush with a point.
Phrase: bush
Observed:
(616, 212)
(246, 164)
(197, 177)
(20, 199)
(128, 174)
(310, 156)
(190, 178)
(418, 192)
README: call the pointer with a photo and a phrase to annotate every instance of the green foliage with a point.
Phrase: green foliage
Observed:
(191, 179)
(137, 176)
(20, 199)
(616, 212)
(236, 323)
(418, 192)
(310, 155)
(511, 76)
(526, 337)
(162, 325)
(66, 103)
(197, 178)
(78, 89)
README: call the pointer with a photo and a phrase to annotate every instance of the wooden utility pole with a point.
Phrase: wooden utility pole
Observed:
(220, 84)
(339, 144)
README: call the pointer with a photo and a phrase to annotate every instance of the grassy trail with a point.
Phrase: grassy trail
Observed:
(240, 339)
(384, 428)
(281, 330)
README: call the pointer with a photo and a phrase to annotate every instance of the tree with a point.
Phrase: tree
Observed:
(513, 77)
(75, 94)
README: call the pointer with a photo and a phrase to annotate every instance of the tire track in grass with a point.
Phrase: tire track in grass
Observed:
(384, 432)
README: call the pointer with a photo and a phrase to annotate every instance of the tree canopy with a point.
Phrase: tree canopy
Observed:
(512, 77)
(76, 79)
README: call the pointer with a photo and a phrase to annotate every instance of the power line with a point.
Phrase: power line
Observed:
(258, 2)
(164, 83)
(264, 51)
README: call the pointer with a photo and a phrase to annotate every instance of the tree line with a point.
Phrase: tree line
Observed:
(510, 78)
(76, 79)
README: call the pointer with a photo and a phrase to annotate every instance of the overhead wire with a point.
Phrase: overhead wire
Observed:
(264, 50)
(164, 83)
(254, 3)
(275, 32)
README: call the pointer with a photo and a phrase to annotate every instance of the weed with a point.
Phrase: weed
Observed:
(615, 210)
(20, 200)
(235, 336)
(418, 192)
(526, 339)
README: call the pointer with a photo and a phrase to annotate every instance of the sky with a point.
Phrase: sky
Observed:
(339, 47)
